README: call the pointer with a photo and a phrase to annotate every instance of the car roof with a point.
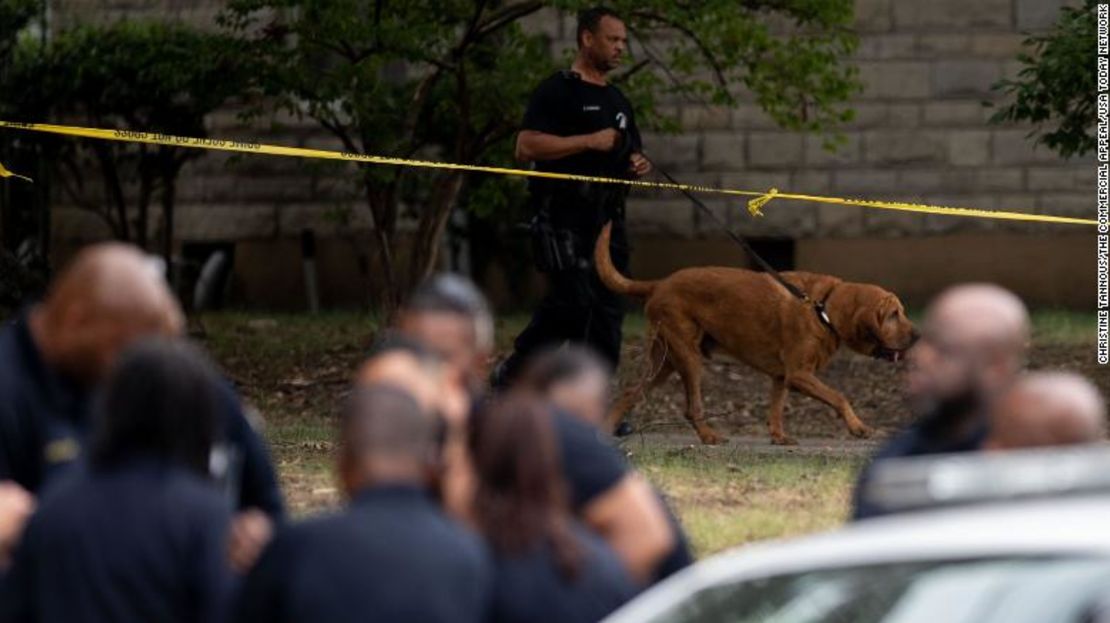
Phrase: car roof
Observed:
(1046, 527)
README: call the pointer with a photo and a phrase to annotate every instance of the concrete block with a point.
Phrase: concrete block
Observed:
(751, 117)
(868, 115)
(844, 153)
(903, 115)
(324, 218)
(722, 151)
(946, 44)
(960, 78)
(872, 15)
(910, 14)
(770, 149)
(895, 79)
(1068, 204)
(871, 182)
(673, 151)
(904, 147)
(225, 221)
(1038, 14)
(811, 182)
(697, 117)
(960, 181)
(1061, 178)
(969, 147)
(997, 45)
(1014, 146)
(672, 217)
(839, 220)
(953, 113)
(887, 46)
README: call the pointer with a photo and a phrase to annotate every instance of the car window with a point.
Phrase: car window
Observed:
(1033, 590)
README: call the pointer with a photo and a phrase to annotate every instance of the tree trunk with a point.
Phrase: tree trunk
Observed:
(170, 169)
(433, 221)
(378, 207)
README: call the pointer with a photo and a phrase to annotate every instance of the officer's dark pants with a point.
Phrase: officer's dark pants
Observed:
(578, 308)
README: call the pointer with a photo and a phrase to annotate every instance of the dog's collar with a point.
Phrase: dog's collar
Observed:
(821, 309)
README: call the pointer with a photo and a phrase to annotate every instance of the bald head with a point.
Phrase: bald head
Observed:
(1047, 409)
(974, 339)
(387, 436)
(109, 296)
(981, 316)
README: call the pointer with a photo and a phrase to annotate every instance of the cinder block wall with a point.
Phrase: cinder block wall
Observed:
(920, 135)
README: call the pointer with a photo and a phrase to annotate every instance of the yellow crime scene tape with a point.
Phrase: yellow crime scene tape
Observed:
(755, 205)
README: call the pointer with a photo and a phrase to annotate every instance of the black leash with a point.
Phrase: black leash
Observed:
(818, 306)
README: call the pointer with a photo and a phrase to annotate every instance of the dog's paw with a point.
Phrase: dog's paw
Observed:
(783, 440)
(862, 432)
(711, 437)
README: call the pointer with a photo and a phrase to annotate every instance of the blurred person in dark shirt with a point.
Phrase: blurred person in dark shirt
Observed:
(1047, 409)
(55, 354)
(140, 532)
(577, 382)
(400, 361)
(973, 344)
(547, 567)
(393, 554)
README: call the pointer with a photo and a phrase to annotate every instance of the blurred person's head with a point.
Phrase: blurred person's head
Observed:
(602, 38)
(573, 378)
(386, 437)
(161, 402)
(410, 365)
(521, 500)
(1042, 409)
(973, 342)
(451, 316)
(109, 296)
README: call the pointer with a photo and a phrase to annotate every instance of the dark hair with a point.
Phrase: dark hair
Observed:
(161, 400)
(391, 340)
(589, 19)
(561, 364)
(454, 294)
(521, 501)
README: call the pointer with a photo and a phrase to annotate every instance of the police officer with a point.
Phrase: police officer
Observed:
(576, 122)
(55, 355)
(138, 533)
(393, 554)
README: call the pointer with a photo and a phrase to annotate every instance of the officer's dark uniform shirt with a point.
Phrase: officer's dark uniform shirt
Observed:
(592, 466)
(566, 105)
(45, 421)
(391, 556)
(529, 587)
(137, 542)
(918, 439)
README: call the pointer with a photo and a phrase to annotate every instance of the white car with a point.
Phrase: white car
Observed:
(1039, 560)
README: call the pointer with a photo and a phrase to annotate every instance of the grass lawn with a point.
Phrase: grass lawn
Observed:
(294, 370)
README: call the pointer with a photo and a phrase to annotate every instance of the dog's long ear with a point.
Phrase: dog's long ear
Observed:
(870, 317)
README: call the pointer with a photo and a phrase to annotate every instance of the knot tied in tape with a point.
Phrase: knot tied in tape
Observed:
(755, 206)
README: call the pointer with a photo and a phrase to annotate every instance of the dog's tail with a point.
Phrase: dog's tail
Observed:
(610, 276)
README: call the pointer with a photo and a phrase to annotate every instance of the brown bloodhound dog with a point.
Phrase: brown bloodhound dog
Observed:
(754, 319)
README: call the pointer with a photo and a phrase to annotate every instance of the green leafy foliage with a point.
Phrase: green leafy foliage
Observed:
(147, 76)
(15, 15)
(1053, 90)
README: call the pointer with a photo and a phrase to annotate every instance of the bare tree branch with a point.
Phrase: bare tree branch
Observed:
(703, 48)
